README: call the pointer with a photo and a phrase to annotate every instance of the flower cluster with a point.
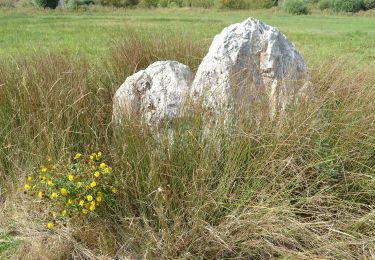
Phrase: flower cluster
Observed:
(79, 188)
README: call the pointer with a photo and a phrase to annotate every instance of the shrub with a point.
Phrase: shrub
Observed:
(325, 4)
(76, 189)
(296, 7)
(71, 4)
(198, 3)
(164, 3)
(74, 4)
(46, 3)
(368, 4)
(232, 4)
(347, 5)
(150, 3)
(119, 3)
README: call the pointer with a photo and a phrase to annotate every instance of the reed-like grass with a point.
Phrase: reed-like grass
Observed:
(300, 189)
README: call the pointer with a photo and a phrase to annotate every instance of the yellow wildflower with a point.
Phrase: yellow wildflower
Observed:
(92, 207)
(63, 213)
(102, 165)
(77, 156)
(50, 225)
(108, 170)
(84, 211)
(70, 177)
(43, 169)
(114, 190)
(91, 157)
(29, 179)
(97, 174)
(99, 199)
(79, 184)
(42, 179)
(98, 156)
(40, 194)
(27, 187)
(81, 202)
(54, 195)
(70, 201)
(89, 197)
(50, 183)
(93, 184)
(63, 192)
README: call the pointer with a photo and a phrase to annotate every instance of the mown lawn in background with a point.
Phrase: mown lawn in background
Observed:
(90, 33)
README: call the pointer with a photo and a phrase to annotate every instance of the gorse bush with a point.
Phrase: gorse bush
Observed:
(78, 188)
(296, 7)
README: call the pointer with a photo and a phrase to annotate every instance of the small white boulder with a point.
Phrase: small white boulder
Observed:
(155, 94)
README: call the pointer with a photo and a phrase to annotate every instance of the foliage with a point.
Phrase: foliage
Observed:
(244, 4)
(325, 4)
(347, 5)
(74, 4)
(7, 3)
(8, 243)
(46, 3)
(25, 3)
(149, 3)
(296, 7)
(79, 188)
(119, 3)
(369, 4)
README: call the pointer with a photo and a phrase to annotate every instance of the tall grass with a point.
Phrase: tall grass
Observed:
(301, 189)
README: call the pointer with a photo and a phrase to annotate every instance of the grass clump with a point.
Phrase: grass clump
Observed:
(297, 7)
(8, 244)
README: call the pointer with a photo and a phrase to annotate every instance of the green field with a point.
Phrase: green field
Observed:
(299, 186)
(317, 37)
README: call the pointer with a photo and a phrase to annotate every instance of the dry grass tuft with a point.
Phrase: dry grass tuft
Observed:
(303, 189)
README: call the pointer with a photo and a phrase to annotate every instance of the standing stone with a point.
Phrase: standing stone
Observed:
(251, 60)
(155, 94)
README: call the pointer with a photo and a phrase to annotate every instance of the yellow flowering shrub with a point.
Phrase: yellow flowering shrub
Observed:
(79, 188)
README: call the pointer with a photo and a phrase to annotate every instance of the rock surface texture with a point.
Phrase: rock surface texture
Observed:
(250, 59)
(155, 94)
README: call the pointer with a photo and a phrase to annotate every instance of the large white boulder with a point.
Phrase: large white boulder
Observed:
(155, 94)
(247, 61)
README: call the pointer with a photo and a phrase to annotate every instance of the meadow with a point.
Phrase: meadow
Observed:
(302, 189)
